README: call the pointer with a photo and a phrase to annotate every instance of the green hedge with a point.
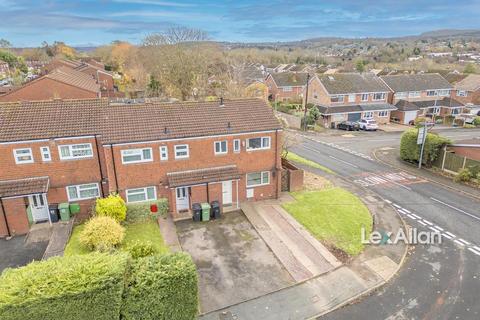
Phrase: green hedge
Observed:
(138, 212)
(162, 287)
(410, 150)
(76, 287)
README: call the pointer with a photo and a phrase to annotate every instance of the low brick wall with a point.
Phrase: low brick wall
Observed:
(295, 176)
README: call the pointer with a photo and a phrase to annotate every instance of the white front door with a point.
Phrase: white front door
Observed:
(39, 207)
(226, 192)
(182, 199)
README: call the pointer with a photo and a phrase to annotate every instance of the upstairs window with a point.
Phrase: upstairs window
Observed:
(163, 153)
(236, 145)
(401, 95)
(431, 93)
(137, 155)
(336, 99)
(379, 96)
(287, 89)
(258, 143)
(46, 156)
(76, 151)
(23, 155)
(351, 98)
(181, 151)
(365, 96)
(221, 147)
(462, 93)
(414, 94)
(444, 93)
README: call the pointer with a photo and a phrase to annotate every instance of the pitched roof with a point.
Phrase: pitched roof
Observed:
(416, 82)
(326, 110)
(121, 123)
(290, 79)
(470, 83)
(404, 105)
(74, 78)
(215, 174)
(20, 187)
(344, 83)
(445, 102)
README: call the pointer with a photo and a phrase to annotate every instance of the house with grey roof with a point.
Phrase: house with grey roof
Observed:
(423, 94)
(286, 86)
(467, 90)
(350, 97)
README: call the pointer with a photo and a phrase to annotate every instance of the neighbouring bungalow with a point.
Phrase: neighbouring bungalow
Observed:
(350, 96)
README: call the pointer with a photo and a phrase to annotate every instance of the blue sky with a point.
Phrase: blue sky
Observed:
(94, 22)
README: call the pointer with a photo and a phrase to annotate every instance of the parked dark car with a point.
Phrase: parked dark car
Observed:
(348, 125)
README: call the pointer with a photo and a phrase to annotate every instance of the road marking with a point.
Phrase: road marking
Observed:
(474, 251)
(397, 206)
(454, 208)
(463, 241)
(428, 222)
(450, 234)
(447, 236)
(459, 243)
(387, 201)
(403, 211)
(413, 214)
(411, 217)
(476, 248)
(421, 222)
(401, 185)
(346, 162)
(438, 228)
(408, 211)
(433, 229)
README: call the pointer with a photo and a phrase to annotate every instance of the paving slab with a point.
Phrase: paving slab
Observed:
(169, 233)
(61, 232)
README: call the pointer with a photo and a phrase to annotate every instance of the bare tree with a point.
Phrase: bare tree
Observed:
(175, 35)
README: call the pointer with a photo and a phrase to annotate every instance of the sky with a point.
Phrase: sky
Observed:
(94, 22)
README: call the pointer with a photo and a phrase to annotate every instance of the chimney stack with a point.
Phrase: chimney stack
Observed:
(221, 102)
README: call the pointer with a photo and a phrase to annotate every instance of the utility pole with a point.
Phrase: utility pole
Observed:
(422, 137)
(305, 104)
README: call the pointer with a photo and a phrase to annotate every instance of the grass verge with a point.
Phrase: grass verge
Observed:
(146, 231)
(296, 158)
(334, 216)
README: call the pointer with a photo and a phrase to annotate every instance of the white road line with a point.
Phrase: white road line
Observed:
(474, 251)
(433, 229)
(346, 162)
(408, 211)
(454, 208)
(476, 248)
(438, 228)
(464, 241)
(447, 236)
(397, 206)
(413, 214)
(421, 222)
(428, 222)
(459, 243)
(403, 211)
(450, 234)
(411, 217)
(387, 201)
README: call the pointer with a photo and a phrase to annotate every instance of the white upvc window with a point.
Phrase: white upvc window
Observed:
(163, 153)
(400, 95)
(462, 93)
(351, 98)
(75, 151)
(46, 155)
(181, 151)
(383, 113)
(83, 191)
(23, 155)
(220, 147)
(414, 94)
(365, 96)
(259, 143)
(444, 92)
(379, 96)
(256, 179)
(336, 99)
(137, 155)
(432, 93)
(456, 110)
(287, 89)
(141, 194)
(236, 145)
(368, 114)
(434, 110)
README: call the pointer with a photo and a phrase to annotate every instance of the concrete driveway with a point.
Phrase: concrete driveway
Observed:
(233, 262)
(16, 252)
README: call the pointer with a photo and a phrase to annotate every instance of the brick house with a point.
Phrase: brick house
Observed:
(415, 95)
(61, 83)
(350, 96)
(467, 90)
(286, 86)
(76, 150)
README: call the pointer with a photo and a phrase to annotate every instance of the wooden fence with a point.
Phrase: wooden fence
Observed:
(453, 163)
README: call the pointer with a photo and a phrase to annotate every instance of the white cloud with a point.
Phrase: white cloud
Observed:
(157, 3)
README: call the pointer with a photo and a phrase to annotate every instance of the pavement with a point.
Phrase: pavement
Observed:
(17, 252)
(233, 262)
(169, 233)
(438, 281)
(60, 235)
(332, 288)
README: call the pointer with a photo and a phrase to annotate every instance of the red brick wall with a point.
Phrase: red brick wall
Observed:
(277, 93)
(44, 89)
(469, 152)
(472, 97)
(16, 213)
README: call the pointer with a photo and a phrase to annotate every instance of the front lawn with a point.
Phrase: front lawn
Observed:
(133, 231)
(334, 216)
(299, 159)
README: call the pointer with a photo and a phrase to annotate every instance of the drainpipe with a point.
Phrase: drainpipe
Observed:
(5, 217)
(114, 169)
(100, 167)
(276, 157)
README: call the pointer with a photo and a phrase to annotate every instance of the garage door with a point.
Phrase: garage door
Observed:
(409, 116)
(354, 116)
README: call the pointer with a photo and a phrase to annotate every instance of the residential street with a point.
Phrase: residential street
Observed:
(437, 281)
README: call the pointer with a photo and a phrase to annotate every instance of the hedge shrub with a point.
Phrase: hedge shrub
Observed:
(161, 287)
(410, 150)
(463, 175)
(73, 288)
(102, 234)
(141, 249)
(112, 206)
(139, 212)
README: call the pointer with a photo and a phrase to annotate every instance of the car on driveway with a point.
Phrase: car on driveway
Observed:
(348, 125)
(368, 124)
